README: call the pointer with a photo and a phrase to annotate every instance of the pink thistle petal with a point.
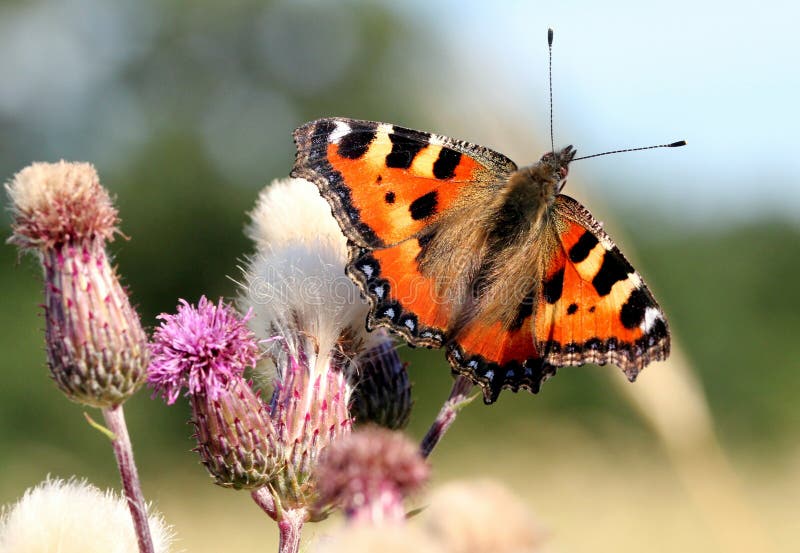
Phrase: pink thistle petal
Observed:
(201, 348)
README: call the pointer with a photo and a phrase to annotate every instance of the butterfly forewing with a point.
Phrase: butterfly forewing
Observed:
(387, 183)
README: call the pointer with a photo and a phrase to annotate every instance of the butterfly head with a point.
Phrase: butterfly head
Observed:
(557, 165)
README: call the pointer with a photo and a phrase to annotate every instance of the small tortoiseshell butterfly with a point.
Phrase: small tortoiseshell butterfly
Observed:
(455, 246)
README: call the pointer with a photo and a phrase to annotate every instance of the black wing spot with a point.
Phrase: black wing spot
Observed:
(580, 250)
(553, 287)
(573, 307)
(424, 206)
(632, 312)
(356, 143)
(445, 165)
(405, 148)
(389, 197)
(613, 269)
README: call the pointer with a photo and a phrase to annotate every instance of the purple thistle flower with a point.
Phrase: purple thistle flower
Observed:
(201, 348)
(206, 349)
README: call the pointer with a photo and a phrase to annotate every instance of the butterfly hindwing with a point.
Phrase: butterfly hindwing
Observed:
(586, 305)
(497, 358)
(594, 307)
(400, 297)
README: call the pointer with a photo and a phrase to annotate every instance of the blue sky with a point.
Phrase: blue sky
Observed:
(723, 75)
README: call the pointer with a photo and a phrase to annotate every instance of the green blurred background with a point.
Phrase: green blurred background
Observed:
(187, 108)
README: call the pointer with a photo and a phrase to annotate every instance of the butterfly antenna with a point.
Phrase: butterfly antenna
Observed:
(672, 145)
(550, 79)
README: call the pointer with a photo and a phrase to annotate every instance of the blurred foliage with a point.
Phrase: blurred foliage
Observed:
(187, 110)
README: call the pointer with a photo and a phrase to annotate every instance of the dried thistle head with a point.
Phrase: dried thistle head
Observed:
(385, 539)
(56, 203)
(481, 516)
(75, 517)
(96, 347)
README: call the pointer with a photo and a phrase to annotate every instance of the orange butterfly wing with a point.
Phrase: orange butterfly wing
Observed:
(595, 308)
(387, 185)
(498, 358)
(591, 306)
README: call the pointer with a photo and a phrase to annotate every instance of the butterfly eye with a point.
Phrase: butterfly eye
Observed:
(563, 171)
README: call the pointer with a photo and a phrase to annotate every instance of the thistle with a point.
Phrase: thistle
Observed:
(96, 347)
(312, 318)
(206, 349)
(465, 516)
(369, 474)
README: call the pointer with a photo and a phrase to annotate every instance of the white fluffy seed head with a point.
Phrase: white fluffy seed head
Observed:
(74, 517)
(292, 211)
(295, 283)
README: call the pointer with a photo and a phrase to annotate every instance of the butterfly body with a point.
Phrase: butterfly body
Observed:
(456, 247)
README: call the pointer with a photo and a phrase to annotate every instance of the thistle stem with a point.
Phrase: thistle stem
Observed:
(290, 525)
(459, 396)
(123, 451)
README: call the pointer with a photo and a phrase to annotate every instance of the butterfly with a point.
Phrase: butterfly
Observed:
(454, 246)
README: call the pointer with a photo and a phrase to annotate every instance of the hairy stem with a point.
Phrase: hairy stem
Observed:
(459, 397)
(290, 525)
(123, 451)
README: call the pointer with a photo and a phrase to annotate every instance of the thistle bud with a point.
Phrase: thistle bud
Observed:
(206, 349)
(96, 347)
(309, 412)
(369, 474)
(382, 394)
(235, 437)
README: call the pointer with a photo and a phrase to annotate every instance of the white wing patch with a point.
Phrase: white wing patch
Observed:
(342, 129)
(651, 315)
